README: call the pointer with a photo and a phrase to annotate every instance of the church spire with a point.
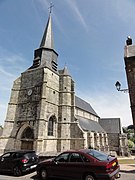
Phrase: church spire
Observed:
(47, 40)
(45, 55)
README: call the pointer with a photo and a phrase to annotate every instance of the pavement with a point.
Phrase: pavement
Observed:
(127, 168)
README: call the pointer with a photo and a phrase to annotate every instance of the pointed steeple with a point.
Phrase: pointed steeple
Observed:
(47, 40)
(45, 55)
(65, 71)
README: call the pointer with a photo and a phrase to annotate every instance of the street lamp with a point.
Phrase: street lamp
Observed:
(118, 87)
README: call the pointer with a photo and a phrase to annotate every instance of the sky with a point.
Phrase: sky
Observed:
(89, 36)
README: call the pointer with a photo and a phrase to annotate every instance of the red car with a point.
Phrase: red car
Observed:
(86, 164)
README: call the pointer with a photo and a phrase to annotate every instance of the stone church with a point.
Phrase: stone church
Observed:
(44, 112)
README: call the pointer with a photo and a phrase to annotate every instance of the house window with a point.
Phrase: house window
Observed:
(51, 126)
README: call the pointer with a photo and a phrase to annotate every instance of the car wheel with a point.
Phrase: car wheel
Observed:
(43, 174)
(89, 177)
(17, 171)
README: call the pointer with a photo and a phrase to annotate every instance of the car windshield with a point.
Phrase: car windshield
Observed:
(98, 155)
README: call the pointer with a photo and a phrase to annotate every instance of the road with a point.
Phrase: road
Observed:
(32, 176)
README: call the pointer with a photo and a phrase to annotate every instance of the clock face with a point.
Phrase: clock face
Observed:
(29, 92)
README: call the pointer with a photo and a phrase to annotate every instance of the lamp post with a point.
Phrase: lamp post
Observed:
(118, 87)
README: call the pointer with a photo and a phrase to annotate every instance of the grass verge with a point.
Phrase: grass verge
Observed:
(126, 161)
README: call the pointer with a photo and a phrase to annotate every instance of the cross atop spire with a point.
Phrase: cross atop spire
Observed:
(51, 6)
(47, 40)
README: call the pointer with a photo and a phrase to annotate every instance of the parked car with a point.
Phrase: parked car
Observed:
(18, 162)
(86, 164)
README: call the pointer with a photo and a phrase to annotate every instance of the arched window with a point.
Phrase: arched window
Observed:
(28, 133)
(51, 126)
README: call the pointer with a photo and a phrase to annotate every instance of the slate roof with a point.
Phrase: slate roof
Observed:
(81, 104)
(111, 125)
(48, 40)
(89, 125)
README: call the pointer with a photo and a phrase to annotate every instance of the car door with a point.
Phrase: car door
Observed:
(75, 166)
(68, 165)
(5, 162)
(59, 166)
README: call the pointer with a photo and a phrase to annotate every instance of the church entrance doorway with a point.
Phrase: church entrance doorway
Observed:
(27, 145)
(27, 139)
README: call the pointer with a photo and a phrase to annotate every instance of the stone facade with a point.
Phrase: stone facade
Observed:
(117, 141)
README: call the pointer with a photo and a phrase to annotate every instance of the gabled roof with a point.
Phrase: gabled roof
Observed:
(111, 125)
(89, 125)
(81, 104)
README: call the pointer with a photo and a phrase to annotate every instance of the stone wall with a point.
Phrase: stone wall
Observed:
(129, 58)
(113, 141)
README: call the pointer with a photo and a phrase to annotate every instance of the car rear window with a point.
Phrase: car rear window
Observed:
(23, 154)
(17, 155)
(30, 154)
(98, 155)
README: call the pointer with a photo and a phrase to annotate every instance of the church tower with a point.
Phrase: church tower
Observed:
(32, 115)
(66, 110)
(129, 58)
